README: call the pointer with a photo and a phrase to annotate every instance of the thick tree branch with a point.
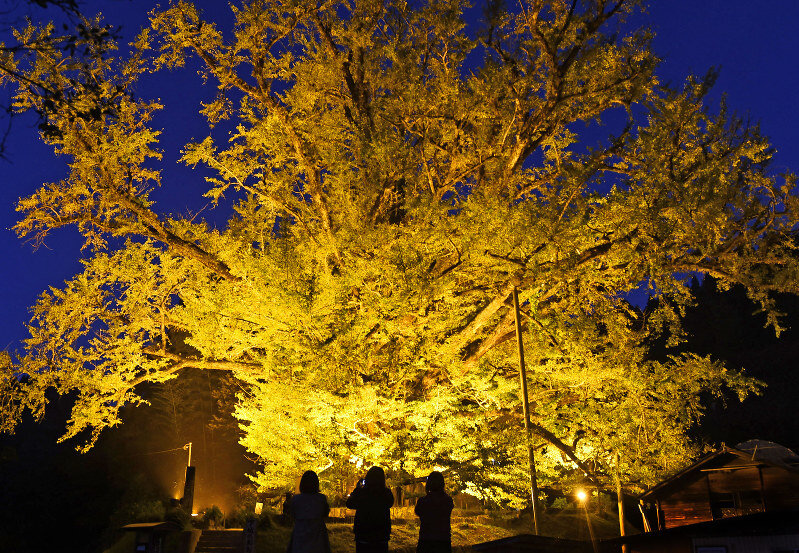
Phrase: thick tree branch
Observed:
(183, 362)
(481, 318)
(503, 332)
(568, 451)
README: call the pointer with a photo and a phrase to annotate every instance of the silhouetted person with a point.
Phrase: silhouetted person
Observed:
(434, 511)
(285, 513)
(309, 508)
(372, 502)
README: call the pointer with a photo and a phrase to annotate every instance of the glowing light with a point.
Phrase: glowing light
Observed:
(581, 495)
(258, 508)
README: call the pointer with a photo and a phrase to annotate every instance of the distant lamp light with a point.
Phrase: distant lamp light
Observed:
(258, 508)
(581, 496)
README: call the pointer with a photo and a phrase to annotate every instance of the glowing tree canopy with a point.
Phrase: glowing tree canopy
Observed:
(389, 172)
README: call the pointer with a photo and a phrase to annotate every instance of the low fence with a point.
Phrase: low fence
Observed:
(406, 513)
(397, 513)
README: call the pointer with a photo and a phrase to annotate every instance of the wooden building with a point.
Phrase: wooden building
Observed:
(755, 476)
(776, 532)
(773, 532)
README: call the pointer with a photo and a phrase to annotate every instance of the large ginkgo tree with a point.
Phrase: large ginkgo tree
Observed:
(388, 172)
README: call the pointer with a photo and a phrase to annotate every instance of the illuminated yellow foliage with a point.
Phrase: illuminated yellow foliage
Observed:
(387, 179)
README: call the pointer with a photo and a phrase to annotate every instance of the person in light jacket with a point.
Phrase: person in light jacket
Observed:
(309, 509)
(434, 511)
(372, 502)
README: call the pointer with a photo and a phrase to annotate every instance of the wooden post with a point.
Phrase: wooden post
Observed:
(187, 501)
(526, 409)
(647, 526)
(620, 499)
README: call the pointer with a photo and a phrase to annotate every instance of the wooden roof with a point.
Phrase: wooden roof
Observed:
(717, 459)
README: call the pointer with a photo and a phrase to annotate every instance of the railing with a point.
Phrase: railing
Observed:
(406, 513)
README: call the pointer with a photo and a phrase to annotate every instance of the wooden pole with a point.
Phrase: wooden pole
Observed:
(526, 409)
(647, 527)
(620, 499)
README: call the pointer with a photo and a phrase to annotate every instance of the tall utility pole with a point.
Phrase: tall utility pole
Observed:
(526, 407)
(620, 499)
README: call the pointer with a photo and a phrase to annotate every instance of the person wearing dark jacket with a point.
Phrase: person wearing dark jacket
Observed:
(372, 502)
(309, 509)
(434, 511)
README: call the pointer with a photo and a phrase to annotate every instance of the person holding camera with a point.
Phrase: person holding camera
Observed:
(372, 501)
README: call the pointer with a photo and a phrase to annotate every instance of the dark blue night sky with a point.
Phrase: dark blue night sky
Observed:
(753, 43)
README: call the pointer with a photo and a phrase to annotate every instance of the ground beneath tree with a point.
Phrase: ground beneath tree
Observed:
(465, 532)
